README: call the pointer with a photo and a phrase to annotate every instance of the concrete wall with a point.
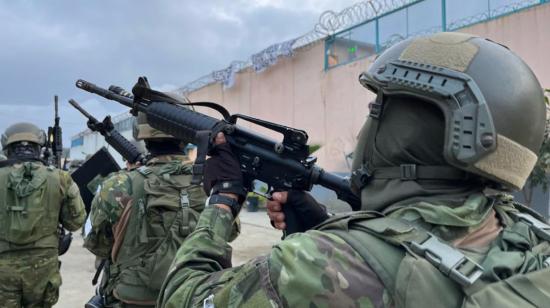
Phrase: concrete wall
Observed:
(527, 33)
(331, 105)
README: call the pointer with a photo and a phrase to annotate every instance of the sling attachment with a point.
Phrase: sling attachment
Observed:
(360, 177)
(203, 140)
(541, 229)
(185, 228)
(98, 271)
(412, 172)
(377, 107)
(448, 260)
(406, 172)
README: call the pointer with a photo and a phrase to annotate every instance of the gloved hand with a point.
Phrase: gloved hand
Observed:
(295, 211)
(222, 172)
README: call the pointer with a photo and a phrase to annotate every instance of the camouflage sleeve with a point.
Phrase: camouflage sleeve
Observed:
(73, 212)
(105, 211)
(313, 269)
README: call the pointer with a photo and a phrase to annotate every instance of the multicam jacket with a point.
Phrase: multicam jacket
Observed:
(312, 269)
(321, 269)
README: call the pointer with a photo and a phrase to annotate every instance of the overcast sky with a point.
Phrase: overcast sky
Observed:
(47, 45)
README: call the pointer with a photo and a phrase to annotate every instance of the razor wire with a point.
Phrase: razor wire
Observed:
(463, 22)
(489, 14)
(329, 23)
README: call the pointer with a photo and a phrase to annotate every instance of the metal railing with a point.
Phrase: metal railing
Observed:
(412, 19)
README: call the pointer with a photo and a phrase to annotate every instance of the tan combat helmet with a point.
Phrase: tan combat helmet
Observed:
(23, 131)
(143, 131)
(492, 102)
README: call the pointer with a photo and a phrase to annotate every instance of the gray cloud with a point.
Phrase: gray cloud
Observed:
(48, 45)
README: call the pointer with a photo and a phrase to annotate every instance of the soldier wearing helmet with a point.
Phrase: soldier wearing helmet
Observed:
(458, 121)
(139, 217)
(34, 199)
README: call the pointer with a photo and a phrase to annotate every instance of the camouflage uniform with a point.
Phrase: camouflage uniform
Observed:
(315, 263)
(326, 270)
(409, 191)
(29, 274)
(109, 204)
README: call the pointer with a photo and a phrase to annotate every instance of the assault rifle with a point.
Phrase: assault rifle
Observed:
(54, 153)
(106, 128)
(55, 139)
(281, 165)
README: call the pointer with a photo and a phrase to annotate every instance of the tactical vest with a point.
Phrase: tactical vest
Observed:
(30, 195)
(419, 269)
(157, 221)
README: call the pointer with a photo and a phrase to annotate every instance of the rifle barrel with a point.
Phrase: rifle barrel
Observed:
(92, 88)
(56, 103)
(84, 112)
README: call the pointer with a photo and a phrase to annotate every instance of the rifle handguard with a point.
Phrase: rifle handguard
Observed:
(124, 147)
(179, 122)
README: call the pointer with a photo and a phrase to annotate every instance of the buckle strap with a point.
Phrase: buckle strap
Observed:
(144, 170)
(203, 139)
(541, 229)
(450, 261)
(411, 172)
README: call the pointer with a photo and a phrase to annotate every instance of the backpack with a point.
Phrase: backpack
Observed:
(418, 269)
(152, 227)
(30, 197)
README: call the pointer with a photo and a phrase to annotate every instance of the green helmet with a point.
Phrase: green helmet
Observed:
(23, 132)
(143, 131)
(492, 102)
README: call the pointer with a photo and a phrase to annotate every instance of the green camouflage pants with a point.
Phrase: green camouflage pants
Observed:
(29, 279)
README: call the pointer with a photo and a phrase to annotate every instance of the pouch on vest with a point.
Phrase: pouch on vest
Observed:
(161, 218)
(421, 270)
(31, 203)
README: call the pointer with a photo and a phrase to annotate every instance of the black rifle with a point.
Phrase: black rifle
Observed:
(54, 153)
(55, 139)
(281, 165)
(112, 136)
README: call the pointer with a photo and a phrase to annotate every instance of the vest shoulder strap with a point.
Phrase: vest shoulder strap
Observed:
(384, 259)
(383, 241)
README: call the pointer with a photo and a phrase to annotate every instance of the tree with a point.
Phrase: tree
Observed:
(539, 175)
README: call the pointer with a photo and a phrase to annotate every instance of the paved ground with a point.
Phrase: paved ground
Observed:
(77, 268)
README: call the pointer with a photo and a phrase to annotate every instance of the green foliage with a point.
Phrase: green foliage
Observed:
(539, 175)
(313, 148)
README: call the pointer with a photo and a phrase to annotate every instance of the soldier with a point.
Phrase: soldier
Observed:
(34, 199)
(140, 217)
(456, 117)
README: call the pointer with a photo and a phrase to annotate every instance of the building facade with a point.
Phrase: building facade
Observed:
(315, 86)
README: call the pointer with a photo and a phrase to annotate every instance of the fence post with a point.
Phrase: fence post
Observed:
(377, 35)
(443, 15)
(327, 43)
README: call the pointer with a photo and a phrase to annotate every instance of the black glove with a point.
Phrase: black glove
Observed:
(222, 172)
(302, 212)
